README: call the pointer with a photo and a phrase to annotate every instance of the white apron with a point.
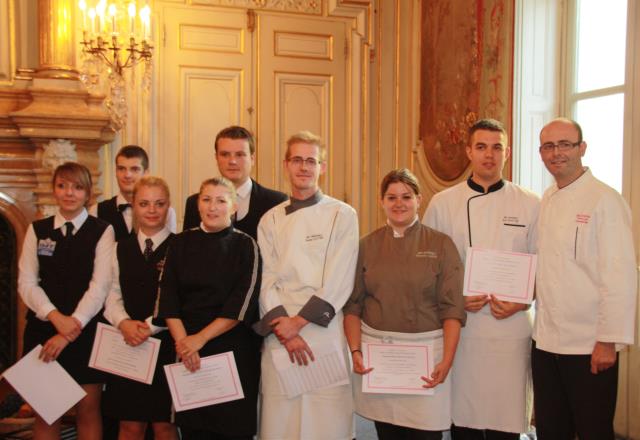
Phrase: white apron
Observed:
(325, 414)
(431, 413)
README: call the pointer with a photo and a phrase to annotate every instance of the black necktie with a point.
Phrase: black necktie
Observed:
(123, 206)
(148, 248)
(68, 230)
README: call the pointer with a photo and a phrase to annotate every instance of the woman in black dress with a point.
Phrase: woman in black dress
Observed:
(208, 296)
(64, 277)
(137, 263)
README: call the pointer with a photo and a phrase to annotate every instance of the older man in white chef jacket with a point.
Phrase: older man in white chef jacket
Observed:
(491, 379)
(309, 246)
(586, 293)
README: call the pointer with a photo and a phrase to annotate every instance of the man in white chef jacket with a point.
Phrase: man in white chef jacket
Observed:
(586, 293)
(309, 246)
(491, 379)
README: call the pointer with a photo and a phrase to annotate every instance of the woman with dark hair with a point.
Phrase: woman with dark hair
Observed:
(408, 290)
(64, 277)
(208, 297)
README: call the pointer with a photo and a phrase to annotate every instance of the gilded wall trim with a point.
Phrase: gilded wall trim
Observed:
(298, 6)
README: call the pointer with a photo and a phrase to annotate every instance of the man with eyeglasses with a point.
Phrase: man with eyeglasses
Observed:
(309, 247)
(586, 293)
(492, 360)
(235, 154)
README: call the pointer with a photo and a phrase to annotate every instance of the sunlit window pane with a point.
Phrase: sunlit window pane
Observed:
(602, 125)
(601, 38)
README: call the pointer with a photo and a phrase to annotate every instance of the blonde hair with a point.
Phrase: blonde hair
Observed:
(76, 173)
(148, 181)
(220, 181)
(306, 137)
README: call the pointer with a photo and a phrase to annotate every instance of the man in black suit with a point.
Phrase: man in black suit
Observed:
(235, 154)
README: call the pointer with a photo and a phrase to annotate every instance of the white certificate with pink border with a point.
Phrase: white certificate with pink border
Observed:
(111, 353)
(397, 368)
(509, 276)
(217, 381)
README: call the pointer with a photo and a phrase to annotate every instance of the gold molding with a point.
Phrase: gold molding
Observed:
(12, 42)
(298, 6)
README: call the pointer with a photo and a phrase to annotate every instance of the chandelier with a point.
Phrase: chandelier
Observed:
(116, 34)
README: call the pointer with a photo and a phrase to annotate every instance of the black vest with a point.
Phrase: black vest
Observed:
(139, 277)
(108, 211)
(65, 274)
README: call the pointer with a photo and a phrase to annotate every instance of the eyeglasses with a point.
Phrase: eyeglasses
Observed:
(561, 146)
(298, 161)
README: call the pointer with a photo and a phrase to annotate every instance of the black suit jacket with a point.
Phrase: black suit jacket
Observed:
(262, 199)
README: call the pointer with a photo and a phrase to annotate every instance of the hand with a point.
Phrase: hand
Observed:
(358, 363)
(286, 328)
(603, 356)
(192, 363)
(67, 326)
(190, 345)
(134, 332)
(53, 347)
(475, 303)
(299, 350)
(504, 309)
(438, 375)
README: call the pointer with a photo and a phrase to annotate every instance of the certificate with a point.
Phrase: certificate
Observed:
(329, 369)
(509, 276)
(111, 354)
(217, 381)
(47, 387)
(397, 368)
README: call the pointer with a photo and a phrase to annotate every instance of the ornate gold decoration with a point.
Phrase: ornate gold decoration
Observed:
(304, 6)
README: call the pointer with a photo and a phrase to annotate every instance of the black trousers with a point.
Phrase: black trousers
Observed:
(462, 433)
(387, 431)
(569, 400)
(198, 434)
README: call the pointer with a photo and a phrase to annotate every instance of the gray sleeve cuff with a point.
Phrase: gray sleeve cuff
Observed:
(318, 311)
(262, 327)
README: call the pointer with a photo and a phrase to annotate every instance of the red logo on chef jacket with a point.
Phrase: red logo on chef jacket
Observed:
(582, 218)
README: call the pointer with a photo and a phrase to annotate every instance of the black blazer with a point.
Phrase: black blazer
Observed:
(262, 199)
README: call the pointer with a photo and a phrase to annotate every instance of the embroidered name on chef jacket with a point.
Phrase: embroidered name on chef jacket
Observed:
(313, 237)
(426, 254)
(46, 247)
(508, 220)
(583, 218)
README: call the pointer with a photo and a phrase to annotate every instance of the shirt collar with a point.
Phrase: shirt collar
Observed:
(396, 234)
(478, 188)
(295, 204)
(78, 221)
(120, 199)
(245, 189)
(158, 238)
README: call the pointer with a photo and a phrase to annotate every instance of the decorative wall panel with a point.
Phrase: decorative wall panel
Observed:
(305, 6)
(299, 45)
(6, 42)
(209, 100)
(211, 38)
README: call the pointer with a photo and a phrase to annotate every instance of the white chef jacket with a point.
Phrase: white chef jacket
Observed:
(29, 268)
(587, 277)
(308, 253)
(492, 359)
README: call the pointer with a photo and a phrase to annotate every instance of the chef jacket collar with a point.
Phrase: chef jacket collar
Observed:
(296, 204)
(474, 186)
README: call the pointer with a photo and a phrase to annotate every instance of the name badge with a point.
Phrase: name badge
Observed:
(313, 237)
(426, 254)
(46, 247)
(583, 218)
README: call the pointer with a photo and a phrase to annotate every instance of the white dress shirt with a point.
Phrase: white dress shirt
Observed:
(586, 283)
(244, 196)
(29, 273)
(114, 309)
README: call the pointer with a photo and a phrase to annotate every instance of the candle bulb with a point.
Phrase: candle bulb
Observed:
(92, 17)
(132, 18)
(101, 8)
(82, 4)
(145, 13)
(112, 13)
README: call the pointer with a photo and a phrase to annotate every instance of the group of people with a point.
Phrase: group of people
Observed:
(255, 271)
